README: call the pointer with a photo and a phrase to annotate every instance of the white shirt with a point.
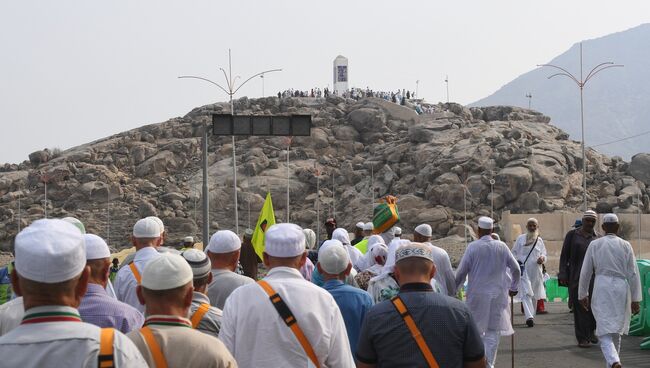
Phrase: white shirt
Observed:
(617, 283)
(62, 344)
(125, 283)
(257, 337)
(485, 263)
(532, 282)
(11, 313)
(444, 277)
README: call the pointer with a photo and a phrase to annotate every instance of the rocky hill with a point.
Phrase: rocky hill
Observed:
(425, 160)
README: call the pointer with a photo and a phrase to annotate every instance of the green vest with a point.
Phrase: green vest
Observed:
(362, 246)
(5, 284)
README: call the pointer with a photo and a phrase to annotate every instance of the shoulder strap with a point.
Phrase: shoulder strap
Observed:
(158, 357)
(136, 273)
(199, 313)
(287, 316)
(415, 332)
(105, 359)
(531, 250)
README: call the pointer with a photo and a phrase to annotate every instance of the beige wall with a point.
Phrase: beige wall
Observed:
(553, 227)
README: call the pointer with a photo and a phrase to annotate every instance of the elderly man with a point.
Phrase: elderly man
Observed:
(52, 277)
(485, 263)
(146, 237)
(167, 338)
(530, 252)
(335, 266)
(96, 306)
(285, 321)
(248, 259)
(418, 327)
(574, 249)
(616, 289)
(204, 317)
(445, 279)
(223, 251)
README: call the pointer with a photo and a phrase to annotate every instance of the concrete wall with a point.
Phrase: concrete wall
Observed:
(554, 226)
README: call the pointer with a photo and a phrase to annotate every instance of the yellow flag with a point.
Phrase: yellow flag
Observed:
(266, 219)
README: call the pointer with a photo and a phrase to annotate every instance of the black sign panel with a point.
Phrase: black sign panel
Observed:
(247, 125)
(301, 125)
(241, 125)
(281, 125)
(222, 124)
(261, 125)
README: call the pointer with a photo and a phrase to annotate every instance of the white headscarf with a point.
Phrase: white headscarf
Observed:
(378, 250)
(341, 235)
(368, 259)
(310, 238)
(389, 267)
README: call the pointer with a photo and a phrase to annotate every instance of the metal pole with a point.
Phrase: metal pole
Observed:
(372, 189)
(108, 215)
(333, 197)
(248, 187)
(206, 202)
(639, 204)
(417, 88)
(262, 76)
(447, 82)
(582, 123)
(512, 337)
(465, 212)
(19, 213)
(288, 179)
(45, 204)
(492, 197)
(317, 207)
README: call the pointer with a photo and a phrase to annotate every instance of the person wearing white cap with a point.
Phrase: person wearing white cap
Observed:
(445, 280)
(334, 264)
(224, 250)
(255, 332)
(188, 243)
(358, 233)
(96, 306)
(372, 264)
(167, 338)
(163, 231)
(51, 276)
(616, 289)
(414, 328)
(574, 249)
(317, 278)
(397, 232)
(484, 264)
(204, 317)
(530, 252)
(384, 286)
(145, 238)
(342, 235)
(362, 245)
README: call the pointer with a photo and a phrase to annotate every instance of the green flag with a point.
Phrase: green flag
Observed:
(266, 220)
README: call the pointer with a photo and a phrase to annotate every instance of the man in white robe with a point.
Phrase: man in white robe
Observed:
(485, 263)
(444, 278)
(617, 288)
(529, 251)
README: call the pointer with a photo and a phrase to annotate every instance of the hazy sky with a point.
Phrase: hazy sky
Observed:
(76, 71)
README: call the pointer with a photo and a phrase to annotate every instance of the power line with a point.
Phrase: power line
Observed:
(621, 140)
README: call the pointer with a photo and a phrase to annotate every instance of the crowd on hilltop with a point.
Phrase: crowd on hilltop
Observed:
(377, 298)
(399, 96)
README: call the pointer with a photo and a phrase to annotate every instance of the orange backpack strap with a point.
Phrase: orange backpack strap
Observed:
(136, 273)
(287, 316)
(199, 313)
(158, 357)
(415, 332)
(106, 359)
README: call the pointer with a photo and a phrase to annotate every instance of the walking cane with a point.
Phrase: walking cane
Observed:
(512, 338)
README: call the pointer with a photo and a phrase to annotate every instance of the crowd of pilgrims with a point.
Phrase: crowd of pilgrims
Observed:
(367, 300)
(399, 96)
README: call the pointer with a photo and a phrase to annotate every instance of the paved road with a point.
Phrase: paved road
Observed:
(551, 343)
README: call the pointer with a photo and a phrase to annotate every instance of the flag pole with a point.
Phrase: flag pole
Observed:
(512, 338)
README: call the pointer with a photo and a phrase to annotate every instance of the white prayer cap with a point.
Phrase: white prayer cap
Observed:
(368, 226)
(424, 230)
(310, 238)
(485, 223)
(50, 251)
(610, 218)
(397, 231)
(224, 241)
(75, 221)
(188, 239)
(341, 235)
(146, 228)
(96, 247)
(284, 240)
(379, 249)
(359, 225)
(198, 261)
(375, 239)
(334, 260)
(165, 272)
(533, 220)
(417, 250)
(590, 214)
(159, 222)
(329, 243)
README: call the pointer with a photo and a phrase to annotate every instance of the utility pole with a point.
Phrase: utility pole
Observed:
(447, 83)
(288, 176)
(231, 91)
(317, 172)
(417, 88)
(581, 84)
(529, 96)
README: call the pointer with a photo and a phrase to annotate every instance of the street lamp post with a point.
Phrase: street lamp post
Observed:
(447, 83)
(417, 88)
(230, 91)
(581, 84)
(529, 96)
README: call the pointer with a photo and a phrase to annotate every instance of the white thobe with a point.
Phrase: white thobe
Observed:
(354, 253)
(485, 263)
(257, 337)
(11, 313)
(62, 344)
(125, 283)
(617, 283)
(531, 285)
(444, 277)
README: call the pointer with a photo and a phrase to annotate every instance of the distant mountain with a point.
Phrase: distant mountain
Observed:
(616, 101)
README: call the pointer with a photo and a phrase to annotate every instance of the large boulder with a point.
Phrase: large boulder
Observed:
(640, 167)
(511, 182)
(367, 120)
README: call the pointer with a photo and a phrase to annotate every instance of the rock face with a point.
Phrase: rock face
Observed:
(481, 159)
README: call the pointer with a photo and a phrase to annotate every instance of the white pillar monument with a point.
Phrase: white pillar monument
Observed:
(340, 75)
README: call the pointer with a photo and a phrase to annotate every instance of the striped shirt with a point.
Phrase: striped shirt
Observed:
(101, 310)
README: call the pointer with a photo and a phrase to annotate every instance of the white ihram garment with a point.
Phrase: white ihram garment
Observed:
(125, 283)
(531, 286)
(444, 277)
(617, 283)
